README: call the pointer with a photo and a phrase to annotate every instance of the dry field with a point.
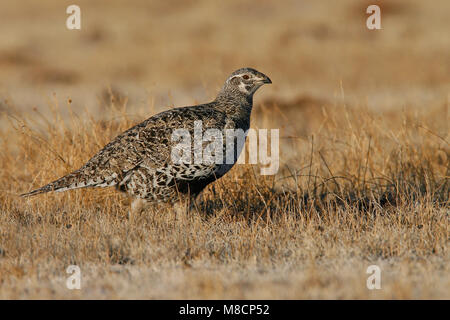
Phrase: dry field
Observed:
(364, 150)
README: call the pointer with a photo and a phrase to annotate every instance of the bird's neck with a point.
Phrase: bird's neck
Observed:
(235, 101)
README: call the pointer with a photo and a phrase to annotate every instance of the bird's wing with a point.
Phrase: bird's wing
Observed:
(148, 142)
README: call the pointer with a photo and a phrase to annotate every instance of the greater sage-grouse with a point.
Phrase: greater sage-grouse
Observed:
(139, 160)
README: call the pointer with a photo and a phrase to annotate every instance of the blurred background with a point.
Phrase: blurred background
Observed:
(180, 52)
(364, 152)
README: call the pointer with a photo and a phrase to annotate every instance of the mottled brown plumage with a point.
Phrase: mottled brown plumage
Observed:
(138, 161)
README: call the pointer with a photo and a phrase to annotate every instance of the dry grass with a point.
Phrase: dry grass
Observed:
(365, 155)
(367, 189)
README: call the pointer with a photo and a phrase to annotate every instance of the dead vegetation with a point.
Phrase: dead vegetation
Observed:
(364, 150)
(361, 189)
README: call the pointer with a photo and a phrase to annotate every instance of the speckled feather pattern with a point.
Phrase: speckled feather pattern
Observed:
(138, 161)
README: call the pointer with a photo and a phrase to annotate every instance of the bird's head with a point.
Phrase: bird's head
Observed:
(244, 81)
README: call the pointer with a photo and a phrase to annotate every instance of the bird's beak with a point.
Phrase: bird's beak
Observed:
(265, 79)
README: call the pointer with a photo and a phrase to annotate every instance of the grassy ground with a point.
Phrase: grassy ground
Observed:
(364, 174)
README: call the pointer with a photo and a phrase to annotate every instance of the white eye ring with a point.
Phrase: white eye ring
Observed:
(245, 77)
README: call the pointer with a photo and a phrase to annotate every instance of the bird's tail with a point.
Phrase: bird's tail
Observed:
(71, 181)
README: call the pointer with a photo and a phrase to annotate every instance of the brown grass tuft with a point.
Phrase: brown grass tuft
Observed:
(364, 175)
(356, 188)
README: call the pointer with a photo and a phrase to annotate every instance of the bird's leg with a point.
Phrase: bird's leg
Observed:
(137, 206)
(181, 208)
(195, 202)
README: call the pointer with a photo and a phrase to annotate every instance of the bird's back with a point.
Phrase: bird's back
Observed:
(139, 161)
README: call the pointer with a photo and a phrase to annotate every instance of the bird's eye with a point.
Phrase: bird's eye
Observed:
(245, 76)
